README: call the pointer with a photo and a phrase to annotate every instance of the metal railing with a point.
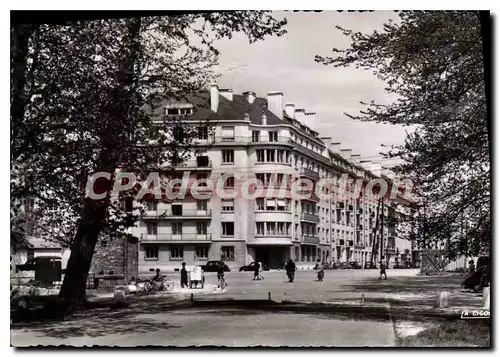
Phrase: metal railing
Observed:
(185, 213)
(305, 172)
(176, 237)
(309, 217)
(310, 239)
(244, 140)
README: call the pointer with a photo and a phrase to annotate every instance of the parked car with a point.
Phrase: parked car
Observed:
(251, 267)
(345, 265)
(335, 265)
(478, 280)
(213, 266)
(324, 265)
(370, 265)
(355, 265)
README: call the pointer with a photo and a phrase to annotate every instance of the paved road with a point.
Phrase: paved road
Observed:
(230, 327)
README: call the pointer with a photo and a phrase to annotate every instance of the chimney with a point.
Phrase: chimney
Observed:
(263, 119)
(275, 103)
(310, 120)
(214, 97)
(346, 153)
(299, 115)
(250, 96)
(227, 93)
(290, 110)
(335, 147)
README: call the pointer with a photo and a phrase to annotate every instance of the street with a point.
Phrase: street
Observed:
(229, 326)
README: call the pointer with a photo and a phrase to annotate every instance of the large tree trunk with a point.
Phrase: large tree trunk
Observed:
(82, 250)
(94, 213)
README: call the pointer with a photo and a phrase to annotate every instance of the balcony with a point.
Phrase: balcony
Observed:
(309, 217)
(359, 245)
(184, 214)
(264, 140)
(247, 140)
(170, 237)
(304, 172)
(310, 239)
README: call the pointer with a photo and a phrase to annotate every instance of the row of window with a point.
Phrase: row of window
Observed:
(273, 155)
(177, 252)
(176, 227)
(273, 136)
(273, 228)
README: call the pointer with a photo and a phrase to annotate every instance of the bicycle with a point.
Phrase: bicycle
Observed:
(222, 283)
(153, 286)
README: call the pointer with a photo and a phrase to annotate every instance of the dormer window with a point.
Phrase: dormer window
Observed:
(246, 116)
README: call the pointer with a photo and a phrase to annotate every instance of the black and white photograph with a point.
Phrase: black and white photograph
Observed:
(248, 178)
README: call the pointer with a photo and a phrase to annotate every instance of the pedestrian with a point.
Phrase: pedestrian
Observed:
(290, 270)
(184, 276)
(383, 266)
(261, 277)
(256, 273)
(321, 274)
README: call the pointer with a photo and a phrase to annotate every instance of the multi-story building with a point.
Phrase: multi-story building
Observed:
(260, 139)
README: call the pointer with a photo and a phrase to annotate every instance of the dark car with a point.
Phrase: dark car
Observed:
(345, 265)
(335, 265)
(213, 266)
(355, 265)
(370, 265)
(480, 279)
(251, 267)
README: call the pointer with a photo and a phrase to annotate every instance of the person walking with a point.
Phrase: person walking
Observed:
(290, 270)
(184, 276)
(383, 266)
(261, 277)
(256, 271)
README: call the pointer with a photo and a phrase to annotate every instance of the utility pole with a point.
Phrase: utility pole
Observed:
(382, 230)
(375, 229)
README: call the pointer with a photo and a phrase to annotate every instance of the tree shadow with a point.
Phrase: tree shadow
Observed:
(415, 285)
(101, 327)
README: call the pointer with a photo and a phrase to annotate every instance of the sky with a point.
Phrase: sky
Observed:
(287, 64)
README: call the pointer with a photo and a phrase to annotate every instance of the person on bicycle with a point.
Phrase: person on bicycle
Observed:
(158, 276)
(220, 273)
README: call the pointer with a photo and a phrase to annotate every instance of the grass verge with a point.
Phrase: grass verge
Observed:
(458, 333)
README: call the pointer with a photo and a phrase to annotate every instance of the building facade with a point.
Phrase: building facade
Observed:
(263, 146)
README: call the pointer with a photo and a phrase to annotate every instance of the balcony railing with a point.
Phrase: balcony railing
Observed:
(186, 213)
(176, 237)
(309, 217)
(245, 140)
(304, 172)
(310, 239)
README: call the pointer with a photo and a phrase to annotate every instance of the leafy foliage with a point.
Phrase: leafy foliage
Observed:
(85, 98)
(432, 63)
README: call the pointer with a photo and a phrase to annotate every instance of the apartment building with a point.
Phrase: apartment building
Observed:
(265, 145)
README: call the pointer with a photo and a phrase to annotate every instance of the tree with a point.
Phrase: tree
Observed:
(113, 79)
(432, 62)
